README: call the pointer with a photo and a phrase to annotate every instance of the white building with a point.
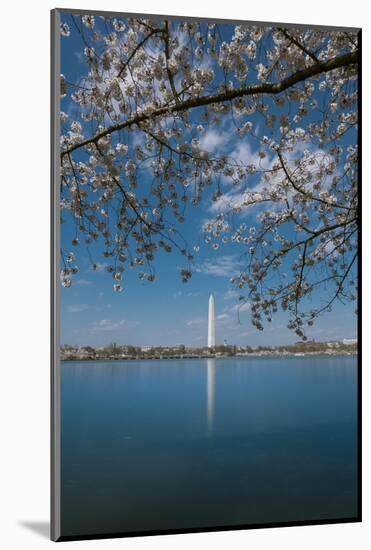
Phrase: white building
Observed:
(349, 341)
(146, 348)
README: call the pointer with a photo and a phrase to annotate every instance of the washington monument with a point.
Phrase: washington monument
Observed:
(211, 324)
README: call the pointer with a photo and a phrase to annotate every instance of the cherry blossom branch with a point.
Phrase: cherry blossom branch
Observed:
(298, 44)
(342, 61)
(307, 194)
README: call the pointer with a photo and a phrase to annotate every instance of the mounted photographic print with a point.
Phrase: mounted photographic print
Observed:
(205, 241)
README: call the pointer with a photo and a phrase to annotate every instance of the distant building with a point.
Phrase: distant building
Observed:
(83, 353)
(305, 343)
(333, 344)
(146, 348)
(349, 341)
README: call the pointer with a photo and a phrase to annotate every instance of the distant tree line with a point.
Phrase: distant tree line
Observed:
(115, 350)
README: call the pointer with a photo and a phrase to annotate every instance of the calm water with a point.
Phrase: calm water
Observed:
(199, 443)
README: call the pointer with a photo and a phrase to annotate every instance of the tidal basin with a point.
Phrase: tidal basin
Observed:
(180, 444)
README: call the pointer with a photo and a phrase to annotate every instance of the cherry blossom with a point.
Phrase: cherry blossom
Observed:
(134, 160)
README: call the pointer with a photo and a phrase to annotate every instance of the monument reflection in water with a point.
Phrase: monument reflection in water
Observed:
(210, 391)
(210, 385)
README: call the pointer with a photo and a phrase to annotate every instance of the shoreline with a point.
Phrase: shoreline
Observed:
(237, 356)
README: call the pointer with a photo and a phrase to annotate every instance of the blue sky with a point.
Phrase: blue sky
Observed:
(168, 312)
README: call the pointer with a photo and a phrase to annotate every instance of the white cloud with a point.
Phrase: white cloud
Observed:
(194, 323)
(225, 322)
(223, 266)
(223, 318)
(82, 282)
(180, 294)
(212, 140)
(243, 154)
(231, 295)
(76, 308)
(107, 325)
(79, 56)
(100, 267)
(229, 200)
(241, 307)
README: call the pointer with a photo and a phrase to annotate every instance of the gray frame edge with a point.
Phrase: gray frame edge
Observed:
(77, 11)
(55, 410)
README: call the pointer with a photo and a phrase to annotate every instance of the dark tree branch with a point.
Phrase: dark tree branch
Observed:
(302, 191)
(140, 45)
(167, 57)
(298, 44)
(266, 88)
